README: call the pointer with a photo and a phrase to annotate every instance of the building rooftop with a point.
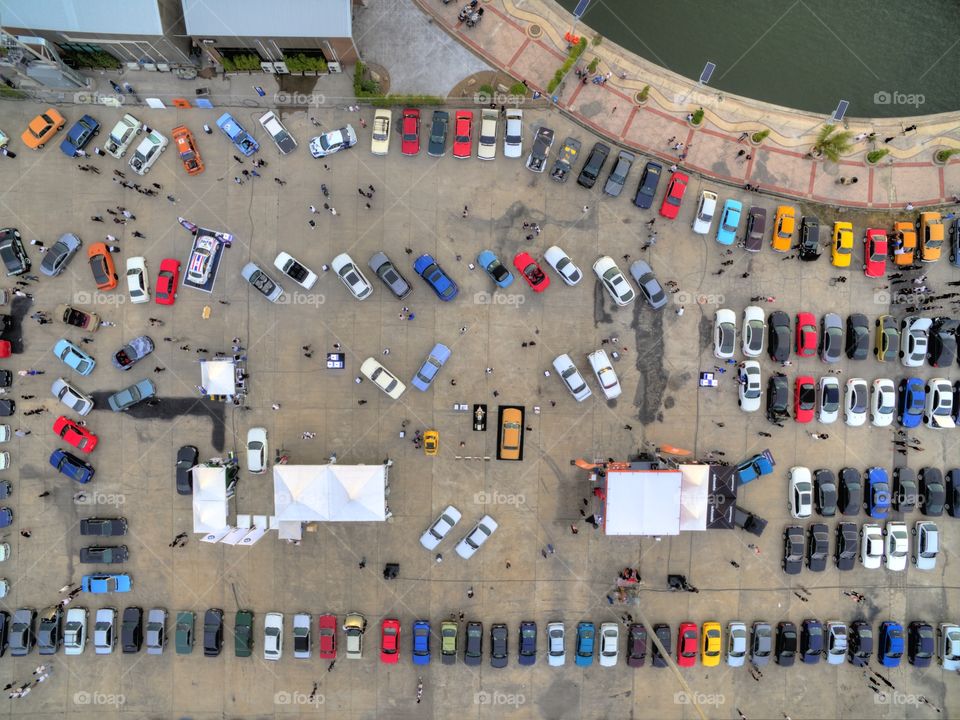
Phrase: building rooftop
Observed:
(130, 17)
(279, 18)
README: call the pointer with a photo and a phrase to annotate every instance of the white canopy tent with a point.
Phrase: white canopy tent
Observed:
(642, 502)
(694, 496)
(328, 493)
(218, 377)
(209, 499)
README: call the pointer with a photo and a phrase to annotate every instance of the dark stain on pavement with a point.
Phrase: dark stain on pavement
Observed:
(648, 346)
(18, 311)
(173, 408)
(600, 314)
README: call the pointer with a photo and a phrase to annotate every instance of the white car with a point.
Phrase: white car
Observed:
(883, 402)
(914, 332)
(72, 397)
(938, 412)
(754, 330)
(828, 409)
(75, 631)
(705, 210)
(837, 642)
(5, 433)
(273, 636)
(257, 450)
(926, 545)
(856, 399)
(261, 282)
(476, 537)
(122, 135)
(948, 646)
(301, 636)
(801, 492)
(571, 377)
(606, 375)
(296, 271)
(380, 132)
(351, 276)
(751, 388)
(382, 378)
(201, 259)
(609, 644)
(138, 281)
(614, 281)
(435, 534)
(736, 644)
(871, 546)
(724, 334)
(487, 145)
(556, 646)
(897, 546)
(276, 130)
(333, 141)
(563, 265)
(513, 135)
(148, 152)
(105, 631)
(4, 460)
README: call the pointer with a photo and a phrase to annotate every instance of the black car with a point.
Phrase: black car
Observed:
(809, 238)
(942, 348)
(756, 225)
(818, 547)
(527, 649)
(858, 336)
(498, 645)
(786, 645)
(594, 164)
(778, 336)
(778, 398)
(14, 257)
(636, 645)
(845, 555)
(212, 632)
(753, 524)
(187, 457)
(811, 641)
(920, 644)
(131, 630)
(437, 145)
(647, 187)
(49, 630)
(473, 647)
(7, 407)
(22, 635)
(860, 643)
(104, 555)
(851, 491)
(932, 493)
(4, 631)
(826, 485)
(103, 527)
(953, 492)
(6, 378)
(662, 632)
(905, 493)
(792, 562)
(955, 243)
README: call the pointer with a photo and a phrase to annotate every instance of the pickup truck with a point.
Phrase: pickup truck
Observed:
(752, 468)
(564, 163)
(748, 521)
(241, 139)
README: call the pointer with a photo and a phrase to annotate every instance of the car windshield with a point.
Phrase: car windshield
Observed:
(727, 336)
(831, 398)
(381, 126)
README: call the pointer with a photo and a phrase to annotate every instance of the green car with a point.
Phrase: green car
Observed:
(184, 633)
(448, 642)
(243, 634)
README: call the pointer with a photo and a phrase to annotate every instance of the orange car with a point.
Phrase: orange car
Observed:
(783, 228)
(930, 226)
(104, 271)
(187, 148)
(903, 243)
(43, 127)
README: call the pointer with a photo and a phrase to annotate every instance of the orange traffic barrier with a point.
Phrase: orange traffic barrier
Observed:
(181, 103)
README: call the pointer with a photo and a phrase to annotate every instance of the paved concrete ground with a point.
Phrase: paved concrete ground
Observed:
(418, 205)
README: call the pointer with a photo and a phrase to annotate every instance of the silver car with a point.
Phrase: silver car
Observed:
(387, 271)
(301, 636)
(57, 257)
(836, 642)
(556, 651)
(72, 397)
(831, 338)
(651, 288)
(156, 635)
(130, 396)
(262, 283)
(618, 176)
(736, 644)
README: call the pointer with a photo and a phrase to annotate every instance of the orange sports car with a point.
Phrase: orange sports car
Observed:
(187, 148)
(43, 127)
(104, 271)
(903, 242)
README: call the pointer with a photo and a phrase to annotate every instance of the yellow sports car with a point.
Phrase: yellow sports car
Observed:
(710, 645)
(431, 442)
(783, 228)
(842, 250)
(931, 236)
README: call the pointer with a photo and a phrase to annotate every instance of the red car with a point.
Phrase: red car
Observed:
(875, 253)
(804, 399)
(806, 335)
(167, 281)
(531, 271)
(687, 645)
(390, 641)
(410, 132)
(462, 133)
(79, 437)
(675, 190)
(328, 637)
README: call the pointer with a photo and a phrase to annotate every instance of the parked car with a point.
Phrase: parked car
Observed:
(801, 492)
(556, 644)
(831, 338)
(102, 266)
(811, 641)
(42, 128)
(858, 336)
(563, 265)
(449, 632)
(212, 632)
(243, 634)
(440, 528)
(571, 377)
(77, 436)
(905, 492)
(473, 647)
(73, 357)
(132, 395)
(826, 485)
(200, 265)
(585, 641)
(706, 207)
(531, 271)
(618, 174)
(841, 251)
(382, 378)
(439, 124)
(474, 539)
(729, 222)
(131, 353)
(273, 636)
(783, 228)
(948, 646)
(278, 133)
(410, 131)
(442, 284)
(122, 135)
(828, 408)
(354, 626)
(156, 633)
(187, 150)
(56, 259)
(837, 642)
(778, 332)
(926, 545)
(327, 633)
(660, 652)
(106, 583)
(860, 643)
(99, 555)
(49, 630)
(938, 410)
(856, 400)
(942, 341)
(183, 632)
(647, 187)
(609, 651)
(670, 205)
(71, 316)
(421, 642)
(786, 643)
(565, 159)
(187, 457)
(896, 546)
(875, 253)
(778, 398)
(380, 131)
(384, 269)
(847, 546)
(687, 644)
(351, 276)
(806, 334)
(257, 453)
(390, 641)
(883, 402)
(103, 527)
(921, 644)
(605, 374)
(613, 281)
(932, 492)
(914, 332)
(651, 288)
(295, 270)
(911, 401)
(14, 257)
(871, 546)
(818, 547)
(148, 152)
(74, 632)
(462, 134)
(750, 386)
(487, 142)
(809, 238)
(590, 171)
(755, 229)
(792, 562)
(890, 644)
(72, 397)
(301, 636)
(804, 399)
(334, 141)
(499, 645)
(636, 645)
(262, 283)
(105, 631)
(241, 139)
(930, 228)
(73, 467)
(878, 493)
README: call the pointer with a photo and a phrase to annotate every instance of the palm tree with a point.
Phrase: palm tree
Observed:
(830, 144)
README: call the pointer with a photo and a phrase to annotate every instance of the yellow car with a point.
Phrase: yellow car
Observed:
(710, 645)
(380, 143)
(931, 236)
(903, 243)
(511, 434)
(783, 229)
(431, 442)
(842, 250)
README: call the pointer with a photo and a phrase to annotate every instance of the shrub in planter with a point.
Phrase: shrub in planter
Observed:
(519, 89)
(944, 155)
(759, 137)
(875, 156)
(697, 116)
(592, 67)
(644, 94)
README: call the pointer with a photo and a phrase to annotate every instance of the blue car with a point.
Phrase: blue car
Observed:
(106, 583)
(729, 222)
(421, 642)
(241, 139)
(427, 268)
(527, 654)
(910, 401)
(6, 517)
(890, 645)
(73, 357)
(72, 466)
(494, 268)
(878, 493)
(79, 135)
(585, 636)
(431, 366)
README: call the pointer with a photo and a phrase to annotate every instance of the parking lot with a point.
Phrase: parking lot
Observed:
(419, 204)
